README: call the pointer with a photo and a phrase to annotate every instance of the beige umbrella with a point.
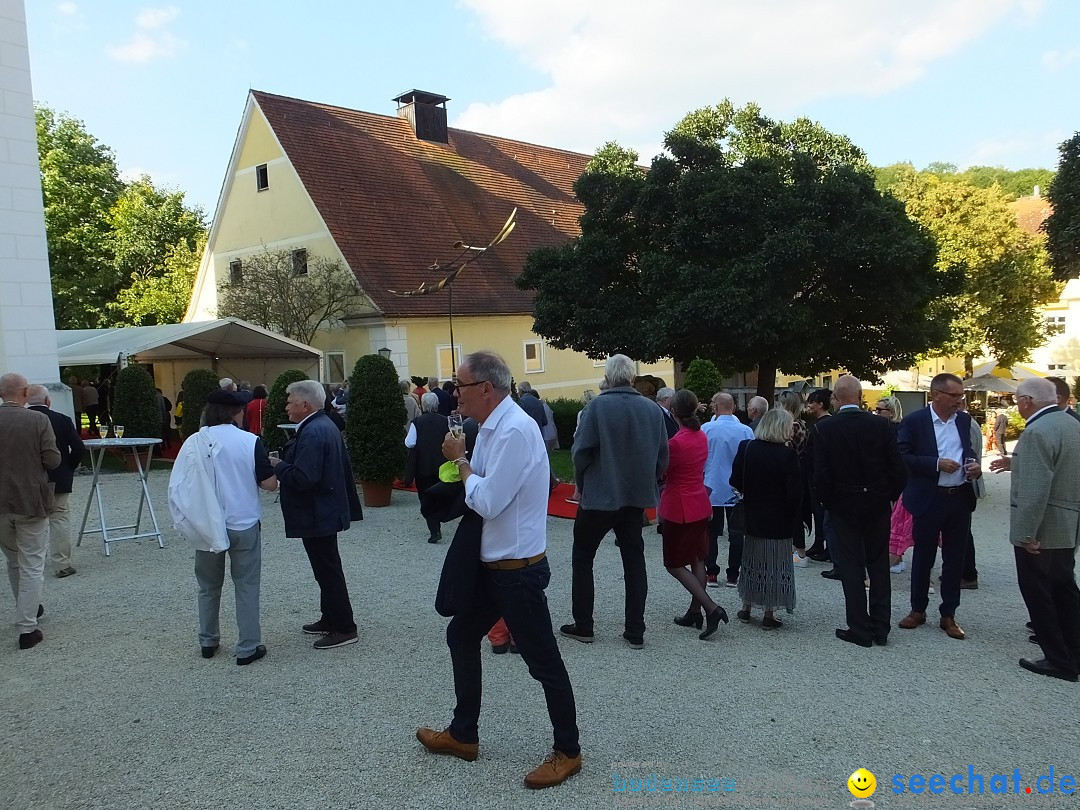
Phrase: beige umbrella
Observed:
(988, 382)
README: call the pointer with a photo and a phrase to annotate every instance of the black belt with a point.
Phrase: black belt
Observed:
(510, 565)
(953, 490)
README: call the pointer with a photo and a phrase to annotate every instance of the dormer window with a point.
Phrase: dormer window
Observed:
(299, 262)
(262, 178)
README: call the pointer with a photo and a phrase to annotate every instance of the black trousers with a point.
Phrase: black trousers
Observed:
(1048, 584)
(334, 593)
(423, 484)
(735, 544)
(590, 527)
(861, 544)
(950, 516)
(518, 597)
(970, 572)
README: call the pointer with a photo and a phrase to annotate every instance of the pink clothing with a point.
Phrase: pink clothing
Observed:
(685, 499)
(902, 530)
(499, 633)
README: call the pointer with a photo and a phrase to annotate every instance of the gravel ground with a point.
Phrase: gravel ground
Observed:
(116, 709)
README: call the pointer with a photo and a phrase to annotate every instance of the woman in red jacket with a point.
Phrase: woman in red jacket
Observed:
(255, 410)
(685, 511)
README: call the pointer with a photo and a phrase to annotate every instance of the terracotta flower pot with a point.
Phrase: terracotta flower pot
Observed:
(376, 494)
(129, 460)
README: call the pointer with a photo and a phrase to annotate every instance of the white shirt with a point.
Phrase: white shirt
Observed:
(410, 437)
(724, 435)
(948, 446)
(509, 484)
(233, 455)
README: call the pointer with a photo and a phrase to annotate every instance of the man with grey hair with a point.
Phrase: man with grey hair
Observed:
(756, 408)
(1043, 526)
(663, 399)
(226, 384)
(506, 486)
(318, 500)
(28, 450)
(620, 452)
(71, 454)
(424, 439)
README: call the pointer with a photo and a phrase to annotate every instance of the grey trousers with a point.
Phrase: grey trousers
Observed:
(60, 532)
(245, 566)
(25, 541)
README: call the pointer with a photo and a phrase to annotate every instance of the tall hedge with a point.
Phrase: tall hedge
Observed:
(197, 386)
(375, 421)
(274, 438)
(135, 404)
(565, 412)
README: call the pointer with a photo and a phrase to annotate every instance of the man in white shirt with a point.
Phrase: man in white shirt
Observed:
(506, 483)
(724, 433)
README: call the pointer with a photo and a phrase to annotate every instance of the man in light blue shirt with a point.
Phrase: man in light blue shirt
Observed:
(725, 433)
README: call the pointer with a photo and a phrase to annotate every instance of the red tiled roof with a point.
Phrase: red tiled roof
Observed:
(1031, 213)
(395, 204)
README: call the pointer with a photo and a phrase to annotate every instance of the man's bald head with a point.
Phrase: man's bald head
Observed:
(723, 403)
(848, 390)
(14, 387)
(39, 395)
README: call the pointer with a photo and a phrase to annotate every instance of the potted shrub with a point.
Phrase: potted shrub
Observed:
(197, 386)
(374, 428)
(135, 406)
(274, 438)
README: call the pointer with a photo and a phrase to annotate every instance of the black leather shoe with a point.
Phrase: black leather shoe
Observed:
(435, 538)
(208, 652)
(501, 649)
(28, 640)
(319, 628)
(1044, 667)
(851, 638)
(40, 611)
(260, 652)
(830, 574)
(572, 631)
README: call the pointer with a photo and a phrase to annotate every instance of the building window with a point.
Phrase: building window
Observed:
(446, 363)
(236, 271)
(1055, 325)
(534, 356)
(262, 178)
(1056, 367)
(826, 381)
(335, 367)
(299, 262)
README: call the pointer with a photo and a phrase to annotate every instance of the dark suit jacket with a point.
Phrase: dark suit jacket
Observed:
(318, 495)
(767, 474)
(670, 425)
(918, 448)
(70, 446)
(534, 408)
(857, 466)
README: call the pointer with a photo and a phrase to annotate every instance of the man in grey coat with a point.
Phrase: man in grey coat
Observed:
(1044, 526)
(620, 451)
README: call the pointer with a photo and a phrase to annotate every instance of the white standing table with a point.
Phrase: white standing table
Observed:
(97, 448)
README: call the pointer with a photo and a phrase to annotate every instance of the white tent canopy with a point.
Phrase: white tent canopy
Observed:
(200, 340)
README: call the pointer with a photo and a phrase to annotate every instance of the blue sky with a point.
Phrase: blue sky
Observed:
(964, 81)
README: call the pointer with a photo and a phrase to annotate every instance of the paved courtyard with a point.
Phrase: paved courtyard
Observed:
(116, 709)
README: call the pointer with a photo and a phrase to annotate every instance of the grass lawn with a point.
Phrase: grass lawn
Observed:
(562, 465)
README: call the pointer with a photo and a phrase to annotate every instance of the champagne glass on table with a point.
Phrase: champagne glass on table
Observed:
(118, 431)
(457, 426)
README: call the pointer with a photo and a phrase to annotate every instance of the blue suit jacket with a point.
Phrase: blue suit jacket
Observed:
(318, 495)
(918, 448)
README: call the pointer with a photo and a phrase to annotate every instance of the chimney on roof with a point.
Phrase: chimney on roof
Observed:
(1037, 192)
(426, 112)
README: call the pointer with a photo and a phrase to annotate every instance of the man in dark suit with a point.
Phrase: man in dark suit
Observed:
(71, 454)
(318, 499)
(857, 473)
(1063, 394)
(663, 399)
(935, 443)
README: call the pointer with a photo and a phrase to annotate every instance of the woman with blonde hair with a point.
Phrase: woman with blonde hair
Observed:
(793, 403)
(766, 472)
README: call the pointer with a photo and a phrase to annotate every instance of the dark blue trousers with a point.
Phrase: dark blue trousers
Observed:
(949, 515)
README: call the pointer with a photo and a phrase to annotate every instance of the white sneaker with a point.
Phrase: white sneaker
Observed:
(897, 569)
(800, 562)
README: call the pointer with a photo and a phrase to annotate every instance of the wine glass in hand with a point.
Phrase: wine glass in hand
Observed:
(457, 427)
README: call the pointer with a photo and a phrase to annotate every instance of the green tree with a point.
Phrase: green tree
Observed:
(274, 437)
(1063, 225)
(156, 248)
(1005, 278)
(754, 242)
(375, 420)
(135, 403)
(80, 184)
(198, 384)
(703, 378)
(271, 293)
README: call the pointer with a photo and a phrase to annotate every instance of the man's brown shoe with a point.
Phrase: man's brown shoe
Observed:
(951, 628)
(554, 770)
(441, 742)
(912, 620)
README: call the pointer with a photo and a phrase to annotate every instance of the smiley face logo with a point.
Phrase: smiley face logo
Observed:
(862, 784)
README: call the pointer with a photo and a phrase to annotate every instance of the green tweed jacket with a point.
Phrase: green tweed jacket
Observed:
(1045, 489)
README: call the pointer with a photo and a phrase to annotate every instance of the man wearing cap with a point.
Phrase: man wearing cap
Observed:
(506, 485)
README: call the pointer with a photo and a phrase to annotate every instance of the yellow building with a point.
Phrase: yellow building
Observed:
(388, 196)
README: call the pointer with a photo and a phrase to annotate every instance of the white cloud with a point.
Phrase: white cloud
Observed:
(1056, 60)
(613, 72)
(68, 9)
(156, 17)
(1006, 151)
(150, 41)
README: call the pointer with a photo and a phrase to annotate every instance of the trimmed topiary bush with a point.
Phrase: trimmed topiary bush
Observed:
(565, 412)
(135, 404)
(374, 421)
(274, 438)
(703, 378)
(197, 386)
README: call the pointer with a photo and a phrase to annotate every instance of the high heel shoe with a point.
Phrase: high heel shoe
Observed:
(712, 621)
(691, 619)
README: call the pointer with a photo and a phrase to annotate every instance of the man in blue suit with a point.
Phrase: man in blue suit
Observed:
(935, 443)
(318, 499)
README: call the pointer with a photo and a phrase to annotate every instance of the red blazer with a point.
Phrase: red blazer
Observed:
(254, 412)
(685, 499)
